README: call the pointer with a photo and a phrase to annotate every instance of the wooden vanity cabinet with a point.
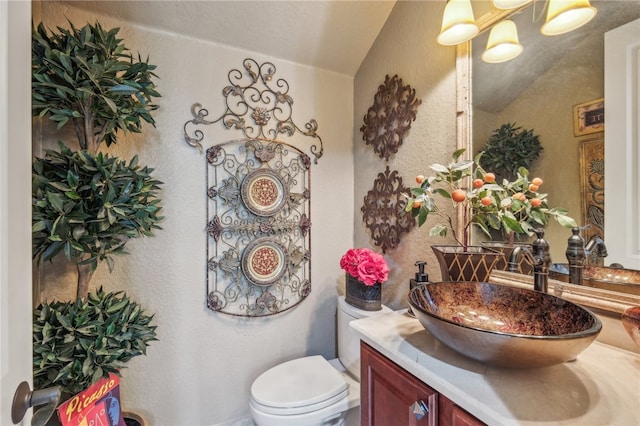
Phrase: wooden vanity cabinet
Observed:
(390, 395)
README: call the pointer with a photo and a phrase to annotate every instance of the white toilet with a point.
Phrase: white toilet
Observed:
(313, 391)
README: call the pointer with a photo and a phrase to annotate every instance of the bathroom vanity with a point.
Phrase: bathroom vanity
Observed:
(402, 363)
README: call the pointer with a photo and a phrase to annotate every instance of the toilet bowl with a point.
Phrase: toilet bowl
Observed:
(312, 390)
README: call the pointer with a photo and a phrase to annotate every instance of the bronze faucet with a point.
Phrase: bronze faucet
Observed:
(578, 252)
(539, 256)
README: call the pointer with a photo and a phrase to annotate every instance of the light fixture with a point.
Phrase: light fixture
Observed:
(458, 23)
(503, 43)
(510, 4)
(567, 15)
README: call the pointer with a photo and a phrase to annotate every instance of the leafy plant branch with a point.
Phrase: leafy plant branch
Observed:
(84, 76)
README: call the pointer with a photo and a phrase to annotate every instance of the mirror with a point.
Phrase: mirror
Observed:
(538, 90)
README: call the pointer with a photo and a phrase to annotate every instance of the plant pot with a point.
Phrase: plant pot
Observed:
(473, 264)
(504, 247)
(362, 296)
(133, 419)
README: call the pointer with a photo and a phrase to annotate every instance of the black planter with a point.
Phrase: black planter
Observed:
(362, 296)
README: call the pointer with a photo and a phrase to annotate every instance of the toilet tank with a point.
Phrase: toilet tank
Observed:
(348, 341)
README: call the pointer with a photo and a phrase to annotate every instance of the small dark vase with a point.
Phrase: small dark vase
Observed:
(362, 296)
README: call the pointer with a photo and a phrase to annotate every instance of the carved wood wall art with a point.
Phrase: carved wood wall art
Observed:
(258, 197)
(592, 188)
(388, 120)
(383, 210)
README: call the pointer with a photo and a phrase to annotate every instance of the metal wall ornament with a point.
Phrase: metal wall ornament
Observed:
(388, 120)
(383, 211)
(258, 197)
(258, 249)
(258, 105)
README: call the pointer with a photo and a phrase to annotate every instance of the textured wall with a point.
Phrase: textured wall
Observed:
(407, 47)
(201, 369)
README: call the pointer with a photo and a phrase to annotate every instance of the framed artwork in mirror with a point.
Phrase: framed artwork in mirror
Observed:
(592, 185)
(588, 117)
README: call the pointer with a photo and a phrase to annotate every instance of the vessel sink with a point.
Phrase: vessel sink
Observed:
(504, 326)
(614, 279)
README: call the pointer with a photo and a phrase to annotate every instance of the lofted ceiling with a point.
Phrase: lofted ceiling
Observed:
(335, 35)
(495, 86)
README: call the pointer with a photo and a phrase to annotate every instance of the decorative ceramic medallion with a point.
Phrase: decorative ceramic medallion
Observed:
(383, 210)
(264, 261)
(388, 120)
(263, 192)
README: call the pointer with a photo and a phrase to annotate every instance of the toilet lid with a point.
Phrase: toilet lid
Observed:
(299, 383)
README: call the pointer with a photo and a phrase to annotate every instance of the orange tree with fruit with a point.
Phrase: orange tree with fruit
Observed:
(515, 207)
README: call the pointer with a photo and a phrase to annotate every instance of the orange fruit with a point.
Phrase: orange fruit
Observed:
(486, 201)
(533, 187)
(458, 195)
(519, 196)
(489, 177)
(420, 179)
(416, 204)
(477, 183)
(536, 181)
(536, 202)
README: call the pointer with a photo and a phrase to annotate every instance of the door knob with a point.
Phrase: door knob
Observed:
(420, 409)
(25, 398)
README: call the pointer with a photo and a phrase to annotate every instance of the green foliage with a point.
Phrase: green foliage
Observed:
(84, 75)
(508, 149)
(511, 206)
(76, 343)
(90, 204)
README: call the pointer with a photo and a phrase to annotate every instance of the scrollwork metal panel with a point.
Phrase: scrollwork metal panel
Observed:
(258, 105)
(383, 211)
(388, 120)
(258, 250)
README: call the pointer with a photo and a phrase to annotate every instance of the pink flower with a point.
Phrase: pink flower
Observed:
(365, 265)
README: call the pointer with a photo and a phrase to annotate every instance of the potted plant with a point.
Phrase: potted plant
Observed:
(509, 148)
(365, 272)
(87, 204)
(516, 207)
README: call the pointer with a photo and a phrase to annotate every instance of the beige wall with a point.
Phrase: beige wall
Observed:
(201, 369)
(407, 47)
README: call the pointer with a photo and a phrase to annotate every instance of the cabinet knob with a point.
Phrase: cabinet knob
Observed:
(420, 409)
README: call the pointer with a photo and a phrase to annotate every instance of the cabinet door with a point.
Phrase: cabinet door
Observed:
(389, 394)
(449, 414)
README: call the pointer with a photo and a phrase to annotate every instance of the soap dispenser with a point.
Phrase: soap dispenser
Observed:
(421, 278)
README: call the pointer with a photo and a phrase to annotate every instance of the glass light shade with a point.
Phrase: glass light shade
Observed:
(458, 23)
(567, 15)
(503, 44)
(510, 4)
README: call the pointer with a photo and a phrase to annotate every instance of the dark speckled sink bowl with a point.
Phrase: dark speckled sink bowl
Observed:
(504, 326)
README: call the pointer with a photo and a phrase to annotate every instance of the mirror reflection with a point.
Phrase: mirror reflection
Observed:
(538, 90)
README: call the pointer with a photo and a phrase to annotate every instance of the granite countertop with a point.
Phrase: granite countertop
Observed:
(601, 387)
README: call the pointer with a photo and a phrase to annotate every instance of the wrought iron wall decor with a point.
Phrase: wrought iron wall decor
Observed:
(258, 249)
(383, 210)
(257, 105)
(388, 120)
(258, 197)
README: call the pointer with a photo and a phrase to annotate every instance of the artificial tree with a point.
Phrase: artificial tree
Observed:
(509, 148)
(86, 204)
